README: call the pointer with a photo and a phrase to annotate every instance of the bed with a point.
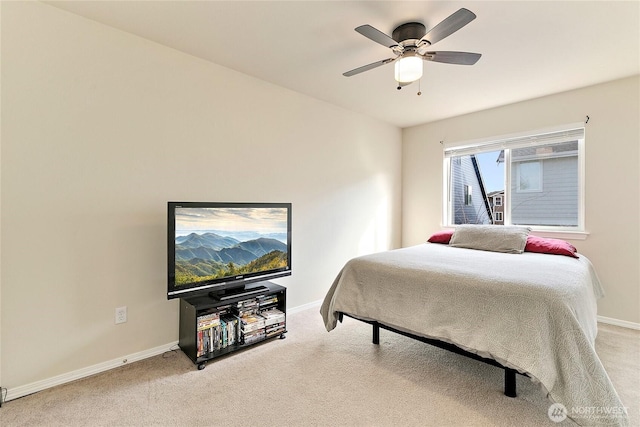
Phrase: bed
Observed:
(531, 313)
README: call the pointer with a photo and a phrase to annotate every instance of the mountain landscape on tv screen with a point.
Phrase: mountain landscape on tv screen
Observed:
(210, 256)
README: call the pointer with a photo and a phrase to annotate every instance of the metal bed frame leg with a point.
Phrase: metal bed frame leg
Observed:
(376, 333)
(510, 382)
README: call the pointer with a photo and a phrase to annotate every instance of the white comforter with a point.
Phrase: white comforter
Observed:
(535, 313)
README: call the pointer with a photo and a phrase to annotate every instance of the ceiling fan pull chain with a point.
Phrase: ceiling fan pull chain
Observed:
(419, 87)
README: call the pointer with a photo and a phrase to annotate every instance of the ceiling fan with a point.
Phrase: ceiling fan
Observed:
(410, 43)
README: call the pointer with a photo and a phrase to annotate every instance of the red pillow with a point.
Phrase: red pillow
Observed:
(550, 246)
(441, 237)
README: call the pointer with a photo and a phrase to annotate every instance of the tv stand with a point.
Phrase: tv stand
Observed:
(217, 324)
(241, 291)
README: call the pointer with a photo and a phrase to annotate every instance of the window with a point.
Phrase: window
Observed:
(541, 174)
(528, 176)
(468, 201)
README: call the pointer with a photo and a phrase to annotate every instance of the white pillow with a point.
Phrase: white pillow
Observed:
(496, 238)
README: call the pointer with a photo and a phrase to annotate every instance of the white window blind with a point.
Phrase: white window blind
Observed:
(550, 138)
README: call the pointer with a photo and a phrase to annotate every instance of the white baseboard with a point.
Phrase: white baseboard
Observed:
(14, 393)
(304, 307)
(617, 322)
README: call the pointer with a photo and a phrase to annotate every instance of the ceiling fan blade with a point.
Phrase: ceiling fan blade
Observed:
(368, 67)
(462, 58)
(376, 35)
(450, 25)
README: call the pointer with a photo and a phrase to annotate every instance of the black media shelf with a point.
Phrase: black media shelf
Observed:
(212, 327)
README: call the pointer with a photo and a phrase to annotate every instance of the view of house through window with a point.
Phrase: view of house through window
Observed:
(533, 180)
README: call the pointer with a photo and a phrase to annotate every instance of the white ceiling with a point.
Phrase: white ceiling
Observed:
(529, 48)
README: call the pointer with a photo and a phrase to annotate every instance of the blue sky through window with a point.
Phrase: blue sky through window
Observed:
(492, 171)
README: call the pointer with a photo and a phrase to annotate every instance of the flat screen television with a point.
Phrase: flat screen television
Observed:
(218, 248)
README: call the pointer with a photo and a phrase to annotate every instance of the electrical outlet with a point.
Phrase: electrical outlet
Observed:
(121, 314)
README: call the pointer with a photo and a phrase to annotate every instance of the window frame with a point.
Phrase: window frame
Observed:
(509, 142)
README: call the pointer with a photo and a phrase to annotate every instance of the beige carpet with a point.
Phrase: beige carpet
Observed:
(316, 378)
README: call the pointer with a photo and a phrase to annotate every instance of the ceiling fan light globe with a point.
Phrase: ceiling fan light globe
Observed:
(408, 69)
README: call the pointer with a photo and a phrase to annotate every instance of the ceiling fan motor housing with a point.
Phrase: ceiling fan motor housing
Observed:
(409, 31)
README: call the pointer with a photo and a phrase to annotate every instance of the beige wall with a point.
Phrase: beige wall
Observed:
(100, 129)
(612, 163)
